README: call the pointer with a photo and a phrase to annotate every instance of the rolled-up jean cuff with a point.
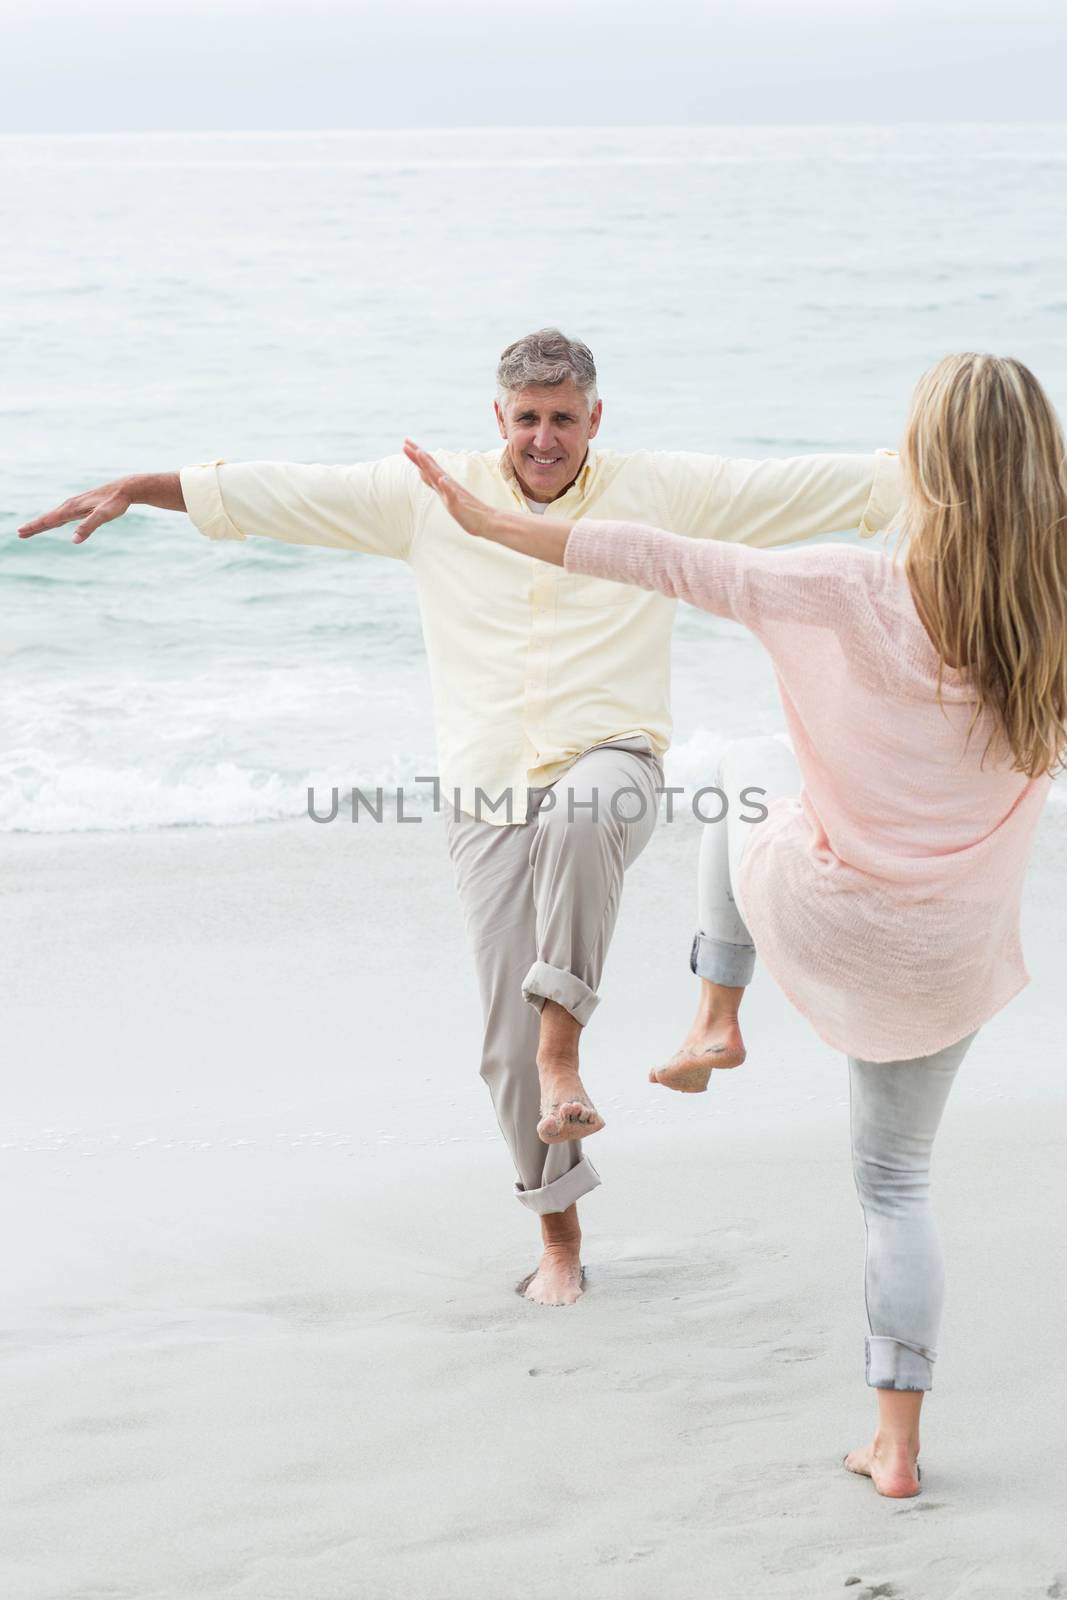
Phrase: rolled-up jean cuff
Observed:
(719, 962)
(892, 1364)
(561, 1192)
(543, 982)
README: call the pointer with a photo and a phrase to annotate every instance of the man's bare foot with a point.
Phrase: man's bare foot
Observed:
(891, 1464)
(559, 1279)
(712, 1042)
(566, 1110)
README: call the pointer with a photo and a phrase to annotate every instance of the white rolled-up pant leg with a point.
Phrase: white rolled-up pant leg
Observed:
(722, 949)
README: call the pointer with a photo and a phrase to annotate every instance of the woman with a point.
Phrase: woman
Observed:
(927, 704)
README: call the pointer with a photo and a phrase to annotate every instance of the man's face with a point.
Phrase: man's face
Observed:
(547, 433)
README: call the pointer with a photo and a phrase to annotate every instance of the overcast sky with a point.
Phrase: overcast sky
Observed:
(104, 65)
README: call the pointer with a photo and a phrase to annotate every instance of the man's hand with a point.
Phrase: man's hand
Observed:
(96, 506)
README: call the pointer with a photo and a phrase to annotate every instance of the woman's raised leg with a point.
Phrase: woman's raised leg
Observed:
(723, 955)
(896, 1107)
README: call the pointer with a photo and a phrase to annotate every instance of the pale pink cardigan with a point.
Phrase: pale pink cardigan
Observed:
(883, 899)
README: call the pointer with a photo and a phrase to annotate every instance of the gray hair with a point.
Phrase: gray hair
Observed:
(543, 360)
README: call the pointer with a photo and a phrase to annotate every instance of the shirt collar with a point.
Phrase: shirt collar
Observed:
(580, 486)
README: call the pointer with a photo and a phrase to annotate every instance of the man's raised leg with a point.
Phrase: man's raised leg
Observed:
(590, 828)
(494, 879)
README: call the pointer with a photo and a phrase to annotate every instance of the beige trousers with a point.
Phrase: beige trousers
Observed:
(540, 899)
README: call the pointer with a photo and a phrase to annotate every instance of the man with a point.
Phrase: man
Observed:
(551, 694)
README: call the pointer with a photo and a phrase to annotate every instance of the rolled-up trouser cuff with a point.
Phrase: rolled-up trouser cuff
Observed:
(894, 1365)
(561, 1192)
(543, 982)
(719, 962)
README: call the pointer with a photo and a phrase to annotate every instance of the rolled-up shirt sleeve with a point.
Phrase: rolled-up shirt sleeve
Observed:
(772, 502)
(369, 507)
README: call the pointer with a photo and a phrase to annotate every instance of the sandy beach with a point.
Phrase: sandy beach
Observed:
(260, 1337)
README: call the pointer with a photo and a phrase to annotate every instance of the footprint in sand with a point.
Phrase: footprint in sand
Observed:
(638, 1553)
(795, 1353)
(116, 1422)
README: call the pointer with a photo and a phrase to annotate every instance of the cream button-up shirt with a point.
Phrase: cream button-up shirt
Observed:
(531, 665)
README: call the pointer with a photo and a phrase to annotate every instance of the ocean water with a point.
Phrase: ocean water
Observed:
(315, 297)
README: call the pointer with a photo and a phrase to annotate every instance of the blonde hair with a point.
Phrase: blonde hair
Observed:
(985, 509)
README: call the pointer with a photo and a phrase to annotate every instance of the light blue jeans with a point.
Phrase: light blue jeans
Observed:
(895, 1106)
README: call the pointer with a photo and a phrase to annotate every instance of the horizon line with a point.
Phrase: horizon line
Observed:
(508, 127)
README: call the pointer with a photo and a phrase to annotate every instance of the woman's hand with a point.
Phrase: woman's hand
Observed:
(470, 512)
(540, 537)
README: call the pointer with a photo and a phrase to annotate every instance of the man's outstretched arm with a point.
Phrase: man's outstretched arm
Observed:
(110, 500)
(367, 507)
(777, 501)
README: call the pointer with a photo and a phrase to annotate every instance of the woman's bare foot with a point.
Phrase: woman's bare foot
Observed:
(710, 1044)
(566, 1110)
(891, 1460)
(713, 1041)
(559, 1279)
(891, 1464)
